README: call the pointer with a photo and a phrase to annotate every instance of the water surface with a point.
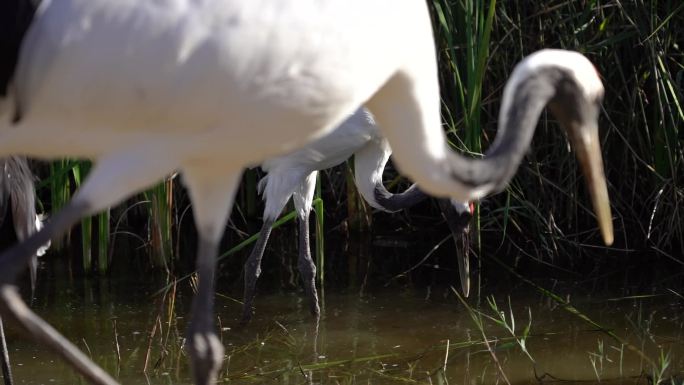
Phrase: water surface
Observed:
(385, 336)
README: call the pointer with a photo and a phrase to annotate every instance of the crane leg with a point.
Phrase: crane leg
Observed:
(307, 268)
(303, 199)
(253, 270)
(212, 198)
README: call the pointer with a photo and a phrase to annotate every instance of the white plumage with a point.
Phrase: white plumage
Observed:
(285, 172)
(207, 88)
(294, 175)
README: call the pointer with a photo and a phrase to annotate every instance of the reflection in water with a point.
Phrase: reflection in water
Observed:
(385, 337)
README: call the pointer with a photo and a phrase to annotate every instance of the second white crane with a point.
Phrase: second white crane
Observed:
(294, 175)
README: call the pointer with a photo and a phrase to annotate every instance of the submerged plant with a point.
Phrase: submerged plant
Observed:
(597, 359)
(508, 323)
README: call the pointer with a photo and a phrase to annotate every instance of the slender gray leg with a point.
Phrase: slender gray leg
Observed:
(6, 369)
(253, 270)
(206, 351)
(212, 196)
(33, 273)
(307, 268)
(303, 199)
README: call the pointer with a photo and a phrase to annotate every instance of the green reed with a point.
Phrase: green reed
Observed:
(65, 176)
(60, 189)
(160, 212)
(636, 47)
(463, 29)
(101, 250)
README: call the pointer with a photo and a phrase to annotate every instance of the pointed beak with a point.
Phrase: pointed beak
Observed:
(588, 148)
(33, 272)
(463, 254)
(459, 221)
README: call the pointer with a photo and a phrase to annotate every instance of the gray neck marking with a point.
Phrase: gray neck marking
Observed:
(515, 132)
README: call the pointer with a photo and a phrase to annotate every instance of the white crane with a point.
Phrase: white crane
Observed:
(145, 88)
(294, 175)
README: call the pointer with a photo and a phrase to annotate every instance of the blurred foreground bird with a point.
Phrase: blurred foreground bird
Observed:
(208, 88)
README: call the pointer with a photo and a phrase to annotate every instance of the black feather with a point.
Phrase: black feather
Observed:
(15, 18)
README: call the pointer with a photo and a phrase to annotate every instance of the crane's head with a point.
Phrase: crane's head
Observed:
(575, 93)
(576, 105)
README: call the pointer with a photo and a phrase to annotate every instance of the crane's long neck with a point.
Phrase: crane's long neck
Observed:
(396, 202)
(522, 104)
(369, 162)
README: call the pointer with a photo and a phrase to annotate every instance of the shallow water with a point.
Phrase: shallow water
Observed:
(387, 336)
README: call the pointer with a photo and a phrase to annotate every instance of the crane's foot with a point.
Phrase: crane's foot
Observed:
(252, 272)
(206, 356)
(247, 312)
(307, 269)
(313, 301)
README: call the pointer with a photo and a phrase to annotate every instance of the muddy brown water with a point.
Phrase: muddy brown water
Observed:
(391, 335)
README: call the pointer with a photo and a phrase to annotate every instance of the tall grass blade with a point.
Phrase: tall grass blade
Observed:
(160, 226)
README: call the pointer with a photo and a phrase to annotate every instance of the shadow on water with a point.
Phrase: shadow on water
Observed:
(392, 335)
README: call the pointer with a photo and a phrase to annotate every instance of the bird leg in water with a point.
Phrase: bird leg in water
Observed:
(302, 196)
(307, 268)
(303, 200)
(212, 195)
(253, 270)
(206, 350)
(13, 307)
